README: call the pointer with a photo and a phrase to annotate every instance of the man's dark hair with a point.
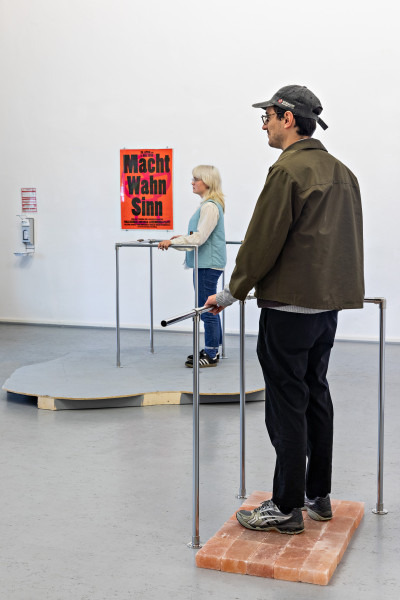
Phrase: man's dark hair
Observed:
(304, 126)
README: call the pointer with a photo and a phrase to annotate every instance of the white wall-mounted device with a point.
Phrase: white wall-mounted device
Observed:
(27, 235)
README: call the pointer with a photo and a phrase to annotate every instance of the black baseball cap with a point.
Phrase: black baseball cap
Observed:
(299, 100)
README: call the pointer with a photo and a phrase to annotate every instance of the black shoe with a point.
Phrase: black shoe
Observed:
(267, 516)
(319, 508)
(190, 357)
(204, 360)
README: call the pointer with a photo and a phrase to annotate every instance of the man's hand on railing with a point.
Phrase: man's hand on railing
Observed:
(211, 301)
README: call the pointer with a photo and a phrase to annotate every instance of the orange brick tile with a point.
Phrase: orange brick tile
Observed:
(355, 510)
(318, 568)
(317, 527)
(305, 540)
(253, 536)
(210, 555)
(288, 564)
(263, 560)
(230, 529)
(339, 524)
(333, 544)
(279, 540)
(237, 556)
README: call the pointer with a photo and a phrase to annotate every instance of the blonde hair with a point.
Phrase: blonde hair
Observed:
(211, 177)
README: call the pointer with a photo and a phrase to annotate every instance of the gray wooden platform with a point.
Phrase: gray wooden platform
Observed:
(92, 380)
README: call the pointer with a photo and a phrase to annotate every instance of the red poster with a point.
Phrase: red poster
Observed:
(146, 189)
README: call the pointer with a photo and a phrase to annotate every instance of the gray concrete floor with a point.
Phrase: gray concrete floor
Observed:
(96, 504)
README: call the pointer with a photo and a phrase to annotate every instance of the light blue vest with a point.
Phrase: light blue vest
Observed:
(212, 254)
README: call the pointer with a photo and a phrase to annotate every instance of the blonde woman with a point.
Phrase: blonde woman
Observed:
(206, 228)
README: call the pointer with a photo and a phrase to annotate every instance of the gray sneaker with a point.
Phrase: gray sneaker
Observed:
(318, 508)
(267, 516)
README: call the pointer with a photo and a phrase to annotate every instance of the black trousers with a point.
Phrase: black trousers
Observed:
(294, 350)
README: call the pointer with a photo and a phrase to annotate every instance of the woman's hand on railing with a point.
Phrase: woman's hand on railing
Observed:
(164, 244)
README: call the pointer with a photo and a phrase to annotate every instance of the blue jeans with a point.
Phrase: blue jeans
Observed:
(208, 279)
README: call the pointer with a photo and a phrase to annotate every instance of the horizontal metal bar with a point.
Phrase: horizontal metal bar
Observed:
(152, 242)
(151, 245)
(190, 314)
(376, 301)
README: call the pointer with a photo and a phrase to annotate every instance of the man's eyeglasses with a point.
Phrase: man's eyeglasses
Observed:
(266, 118)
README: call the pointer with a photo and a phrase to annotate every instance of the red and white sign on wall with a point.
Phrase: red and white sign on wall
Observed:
(29, 202)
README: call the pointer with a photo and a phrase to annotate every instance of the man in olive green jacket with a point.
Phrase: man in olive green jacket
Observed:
(303, 254)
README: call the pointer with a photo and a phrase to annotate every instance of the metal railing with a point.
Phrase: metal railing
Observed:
(148, 244)
(195, 315)
(153, 243)
(381, 302)
(242, 386)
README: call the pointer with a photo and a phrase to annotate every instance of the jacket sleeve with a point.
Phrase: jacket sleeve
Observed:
(266, 233)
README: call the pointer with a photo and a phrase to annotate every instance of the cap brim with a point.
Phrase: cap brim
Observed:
(264, 104)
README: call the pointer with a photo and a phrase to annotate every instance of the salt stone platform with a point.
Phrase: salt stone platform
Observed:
(82, 380)
(311, 556)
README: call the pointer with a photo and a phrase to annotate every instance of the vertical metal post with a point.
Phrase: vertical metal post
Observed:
(380, 510)
(223, 320)
(117, 303)
(151, 302)
(242, 483)
(196, 276)
(195, 543)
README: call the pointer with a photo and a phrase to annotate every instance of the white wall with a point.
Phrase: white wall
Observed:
(83, 78)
